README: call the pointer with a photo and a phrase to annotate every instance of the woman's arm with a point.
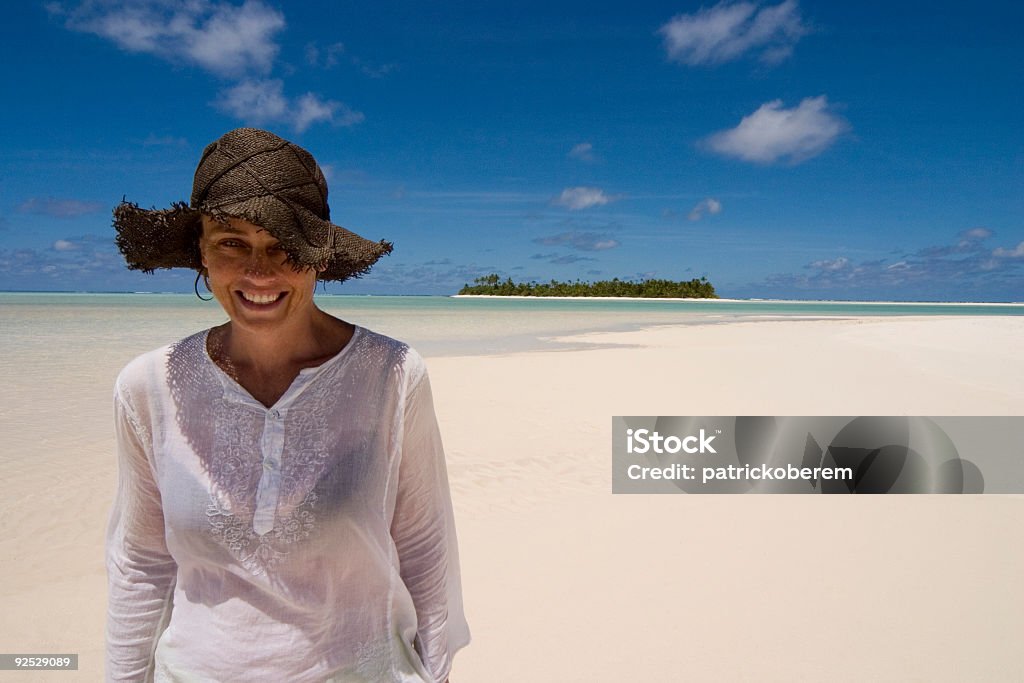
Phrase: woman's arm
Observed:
(424, 532)
(140, 572)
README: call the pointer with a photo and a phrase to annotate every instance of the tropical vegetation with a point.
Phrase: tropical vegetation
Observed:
(649, 289)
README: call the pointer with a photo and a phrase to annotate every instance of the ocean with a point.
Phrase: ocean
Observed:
(60, 353)
(434, 325)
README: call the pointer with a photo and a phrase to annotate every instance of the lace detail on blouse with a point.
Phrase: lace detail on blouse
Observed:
(260, 553)
(248, 446)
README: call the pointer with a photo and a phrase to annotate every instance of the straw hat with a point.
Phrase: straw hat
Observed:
(255, 175)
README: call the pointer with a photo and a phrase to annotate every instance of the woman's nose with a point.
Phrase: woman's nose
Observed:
(259, 263)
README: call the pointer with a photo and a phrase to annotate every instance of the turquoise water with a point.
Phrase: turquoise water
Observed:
(435, 325)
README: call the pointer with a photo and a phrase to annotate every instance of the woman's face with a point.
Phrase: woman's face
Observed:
(249, 276)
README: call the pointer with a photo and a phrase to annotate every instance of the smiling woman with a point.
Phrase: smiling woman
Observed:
(270, 305)
(283, 510)
(244, 261)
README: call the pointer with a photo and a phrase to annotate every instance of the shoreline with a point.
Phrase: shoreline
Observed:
(742, 301)
(319, 295)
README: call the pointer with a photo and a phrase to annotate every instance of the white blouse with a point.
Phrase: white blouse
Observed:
(310, 541)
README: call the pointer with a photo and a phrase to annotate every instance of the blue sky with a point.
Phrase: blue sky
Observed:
(786, 149)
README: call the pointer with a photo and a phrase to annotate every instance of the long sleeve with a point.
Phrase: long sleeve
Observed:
(140, 571)
(423, 529)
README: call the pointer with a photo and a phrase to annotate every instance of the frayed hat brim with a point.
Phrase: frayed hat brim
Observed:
(158, 238)
(151, 239)
(254, 175)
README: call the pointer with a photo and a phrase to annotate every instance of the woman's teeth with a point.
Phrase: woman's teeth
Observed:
(261, 298)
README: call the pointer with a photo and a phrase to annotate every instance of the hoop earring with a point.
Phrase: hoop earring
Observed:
(206, 281)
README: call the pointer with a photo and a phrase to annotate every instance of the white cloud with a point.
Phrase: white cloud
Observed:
(709, 206)
(263, 102)
(256, 101)
(831, 265)
(976, 234)
(561, 259)
(311, 109)
(233, 41)
(1017, 252)
(583, 151)
(217, 36)
(154, 140)
(59, 208)
(581, 241)
(577, 198)
(329, 54)
(74, 262)
(772, 133)
(374, 70)
(728, 30)
(938, 272)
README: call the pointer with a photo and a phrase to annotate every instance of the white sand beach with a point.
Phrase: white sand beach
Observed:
(565, 582)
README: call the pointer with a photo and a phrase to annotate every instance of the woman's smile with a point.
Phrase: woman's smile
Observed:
(248, 271)
(261, 301)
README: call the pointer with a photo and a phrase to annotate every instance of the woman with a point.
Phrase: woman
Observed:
(282, 511)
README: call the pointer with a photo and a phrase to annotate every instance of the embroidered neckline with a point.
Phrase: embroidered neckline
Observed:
(298, 385)
(271, 471)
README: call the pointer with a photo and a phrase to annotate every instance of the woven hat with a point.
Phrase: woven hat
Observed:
(254, 175)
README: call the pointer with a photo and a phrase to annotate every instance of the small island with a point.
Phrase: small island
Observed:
(493, 285)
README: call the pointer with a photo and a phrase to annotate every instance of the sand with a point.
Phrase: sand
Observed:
(564, 581)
